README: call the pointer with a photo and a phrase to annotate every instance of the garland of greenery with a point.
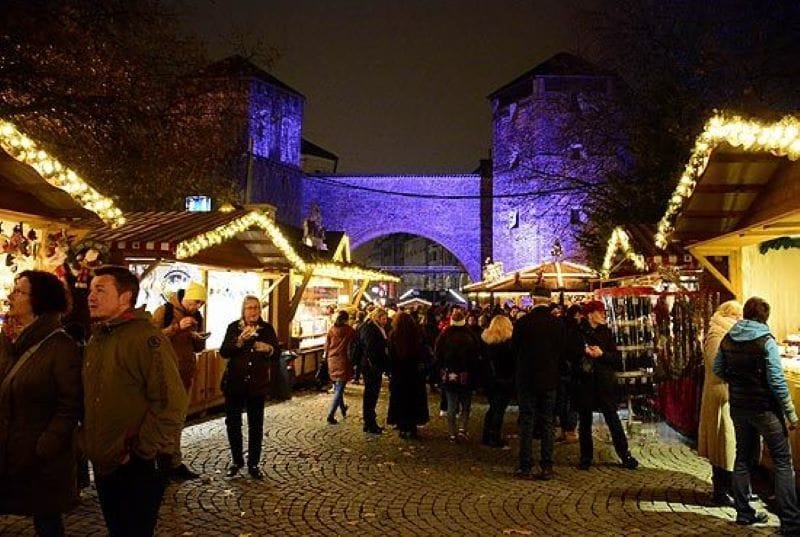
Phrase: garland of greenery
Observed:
(779, 244)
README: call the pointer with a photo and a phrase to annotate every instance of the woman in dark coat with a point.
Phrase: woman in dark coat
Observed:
(596, 386)
(40, 403)
(498, 356)
(408, 400)
(250, 346)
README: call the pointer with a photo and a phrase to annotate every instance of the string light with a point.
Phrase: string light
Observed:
(781, 138)
(192, 247)
(25, 150)
(620, 240)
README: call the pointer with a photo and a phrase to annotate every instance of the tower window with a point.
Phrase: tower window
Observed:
(576, 152)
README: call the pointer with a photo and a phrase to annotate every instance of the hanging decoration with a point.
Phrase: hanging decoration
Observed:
(25, 150)
(620, 241)
(781, 243)
(781, 138)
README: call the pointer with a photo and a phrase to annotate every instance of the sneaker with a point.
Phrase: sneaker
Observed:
(722, 500)
(255, 472)
(332, 420)
(183, 473)
(758, 518)
(373, 429)
(233, 469)
(546, 474)
(584, 465)
(630, 463)
(453, 439)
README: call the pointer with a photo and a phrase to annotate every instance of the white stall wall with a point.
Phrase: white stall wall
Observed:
(775, 277)
(226, 290)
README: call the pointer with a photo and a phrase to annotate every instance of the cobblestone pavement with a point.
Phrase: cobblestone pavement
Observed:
(335, 480)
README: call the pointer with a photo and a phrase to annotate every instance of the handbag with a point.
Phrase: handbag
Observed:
(454, 378)
(322, 376)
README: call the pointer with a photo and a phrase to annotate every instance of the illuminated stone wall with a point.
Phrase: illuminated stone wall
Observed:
(351, 203)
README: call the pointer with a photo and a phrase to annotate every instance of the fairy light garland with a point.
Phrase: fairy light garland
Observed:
(781, 138)
(192, 247)
(350, 273)
(620, 240)
(25, 150)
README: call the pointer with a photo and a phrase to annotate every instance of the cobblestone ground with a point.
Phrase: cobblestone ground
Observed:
(335, 480)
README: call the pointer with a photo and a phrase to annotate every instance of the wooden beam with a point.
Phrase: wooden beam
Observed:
(298, 295)
(150, 268)
(725, 156)
(748, 188)
(712, 214)
(713, 270)
(361, 290)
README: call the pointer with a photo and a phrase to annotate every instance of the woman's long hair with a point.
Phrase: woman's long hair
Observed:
(499, 330)
(405, 337)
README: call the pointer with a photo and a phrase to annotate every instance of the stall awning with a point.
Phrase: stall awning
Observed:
(552, 276)
(33, 184)
(240, 239)
(741, 185)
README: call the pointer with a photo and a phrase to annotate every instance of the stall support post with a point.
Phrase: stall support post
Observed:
(361, 291)
(298, 294)
(282, 319)
(734, 284)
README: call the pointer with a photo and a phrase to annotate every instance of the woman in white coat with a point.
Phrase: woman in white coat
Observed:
(716, 440)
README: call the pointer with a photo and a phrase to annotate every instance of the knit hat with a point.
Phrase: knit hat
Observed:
(195, 291)
(592, 306)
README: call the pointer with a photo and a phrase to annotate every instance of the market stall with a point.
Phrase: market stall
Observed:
(546, 282)
(234, 254)
(737, 208)
(44, 211)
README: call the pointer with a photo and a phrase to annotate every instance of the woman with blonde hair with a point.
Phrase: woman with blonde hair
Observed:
(716, 440)
(499, 364)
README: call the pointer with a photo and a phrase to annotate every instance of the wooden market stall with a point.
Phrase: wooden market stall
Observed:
(234, 254)
(737, 210)
(545, 281)
(45, 210)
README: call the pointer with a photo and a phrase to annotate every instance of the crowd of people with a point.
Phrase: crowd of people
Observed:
(558, 364)
(119, 397)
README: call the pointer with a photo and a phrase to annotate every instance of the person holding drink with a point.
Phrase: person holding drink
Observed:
(250, 346)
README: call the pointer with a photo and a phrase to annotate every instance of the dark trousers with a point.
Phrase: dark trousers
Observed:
(721, 480)
(538, 408)
(130, 497)
(749, 425)
(567, 417)
(614, 424)
(372, 389)
(234, 405)
(499, 397)
(49, 525)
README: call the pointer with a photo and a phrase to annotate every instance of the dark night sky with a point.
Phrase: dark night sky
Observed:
(396, 86)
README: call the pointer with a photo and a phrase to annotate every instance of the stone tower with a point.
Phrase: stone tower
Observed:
(542, 143)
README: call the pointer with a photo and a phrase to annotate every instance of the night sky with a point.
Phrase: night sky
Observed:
(395, 86)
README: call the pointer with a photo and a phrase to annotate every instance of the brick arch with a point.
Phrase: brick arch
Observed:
(366, 215)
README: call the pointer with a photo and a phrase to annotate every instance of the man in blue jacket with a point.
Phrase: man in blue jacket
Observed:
(749, 361)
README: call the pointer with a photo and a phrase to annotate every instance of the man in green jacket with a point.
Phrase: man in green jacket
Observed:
(134, 404)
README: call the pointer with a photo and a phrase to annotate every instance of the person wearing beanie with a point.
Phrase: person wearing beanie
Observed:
(181, 321)
(596, 386)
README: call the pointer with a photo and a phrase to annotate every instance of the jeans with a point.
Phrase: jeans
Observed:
(567, 417)
(338, 398)
(499, 397)
(459, 401)
(614, 424)
(749, 425)
(539, 408)
(130, 497)
(234, 405)
(49, 525)
(372, 389)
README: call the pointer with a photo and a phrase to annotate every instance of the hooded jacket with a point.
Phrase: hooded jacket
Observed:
(134, 400)
(184, 342)
(749, 361)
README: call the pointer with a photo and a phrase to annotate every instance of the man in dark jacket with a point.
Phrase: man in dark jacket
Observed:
(596, 386)
(749, 361)
(538, 341)
(372, 341)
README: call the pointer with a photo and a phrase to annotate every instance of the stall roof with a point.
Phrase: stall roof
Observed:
(553, 275)
(741, 185)
(631, 249)
(35, 184)
(239, 239)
